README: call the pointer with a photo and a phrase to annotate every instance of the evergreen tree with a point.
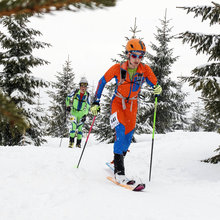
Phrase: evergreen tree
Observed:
(59, 120)
(171, 106)
(197, 118)
(183, 123)
(205, 78)
(16, 79)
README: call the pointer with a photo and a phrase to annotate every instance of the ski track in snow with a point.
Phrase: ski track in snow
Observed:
(43, 183)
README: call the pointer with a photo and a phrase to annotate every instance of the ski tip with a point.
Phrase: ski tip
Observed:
(139, 187)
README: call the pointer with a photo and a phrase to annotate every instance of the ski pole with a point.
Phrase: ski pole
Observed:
(152, 146)
(86, 140)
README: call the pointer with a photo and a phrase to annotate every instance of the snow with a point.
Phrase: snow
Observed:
(44, 183)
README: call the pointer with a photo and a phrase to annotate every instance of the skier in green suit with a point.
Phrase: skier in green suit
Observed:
(78, 104)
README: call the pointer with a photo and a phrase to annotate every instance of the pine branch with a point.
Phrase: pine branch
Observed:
(207, 12)
(44, 6)
(214, 159)
(203, 43)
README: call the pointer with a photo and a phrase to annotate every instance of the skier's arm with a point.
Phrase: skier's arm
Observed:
(151, 79)
(67, 101)
(69, 97)
(68, 108)
(106, 78)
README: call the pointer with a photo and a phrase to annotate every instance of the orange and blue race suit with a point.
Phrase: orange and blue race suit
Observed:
(124, 102)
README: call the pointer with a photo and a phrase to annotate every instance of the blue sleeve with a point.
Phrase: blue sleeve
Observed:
(69, 97)
(149, 83)
(99, 89)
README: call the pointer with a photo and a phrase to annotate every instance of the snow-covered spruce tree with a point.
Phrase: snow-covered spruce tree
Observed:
(206, 78)
(59, 120)
(171, 107)
(183, 123)
(16, 80)
(197, 118)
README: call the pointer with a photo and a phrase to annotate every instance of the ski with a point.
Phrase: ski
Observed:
(139, 187)
(130, 184)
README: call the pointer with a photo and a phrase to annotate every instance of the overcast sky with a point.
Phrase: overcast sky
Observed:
(92, 37)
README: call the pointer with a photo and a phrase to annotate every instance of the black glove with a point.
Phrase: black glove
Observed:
(68, 109)
(83, 119)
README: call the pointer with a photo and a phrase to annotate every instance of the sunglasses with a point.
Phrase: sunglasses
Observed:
(136, 56)
(83, 84)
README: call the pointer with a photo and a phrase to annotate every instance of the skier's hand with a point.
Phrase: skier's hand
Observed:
(83, 119)
(95, 109)
(157, 89)
(68, 109)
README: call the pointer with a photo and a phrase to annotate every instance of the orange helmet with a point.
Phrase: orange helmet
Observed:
(135, 45)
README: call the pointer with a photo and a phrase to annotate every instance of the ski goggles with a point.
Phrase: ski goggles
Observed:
(83, 84)
(137, 56)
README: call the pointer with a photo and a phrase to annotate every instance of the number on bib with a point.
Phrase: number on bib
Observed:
(114, 120)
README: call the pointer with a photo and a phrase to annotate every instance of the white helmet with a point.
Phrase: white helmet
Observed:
(83, 80)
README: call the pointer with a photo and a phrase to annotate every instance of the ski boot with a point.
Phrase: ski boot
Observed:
(78, 143)
(71, 143)
(119, 170)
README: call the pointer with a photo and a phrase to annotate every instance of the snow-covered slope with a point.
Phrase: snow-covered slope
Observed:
(43, 183)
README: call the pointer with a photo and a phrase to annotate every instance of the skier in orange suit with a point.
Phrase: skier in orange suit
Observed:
(129, 77)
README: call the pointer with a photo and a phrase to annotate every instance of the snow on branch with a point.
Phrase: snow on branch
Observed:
(203, 43)
(207, 12)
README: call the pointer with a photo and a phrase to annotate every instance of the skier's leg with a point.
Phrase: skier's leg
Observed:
(79, 128)
(119, 164)
(72, 130)
(129, 125)
(119, 139)
(119, 169)
(128, 139)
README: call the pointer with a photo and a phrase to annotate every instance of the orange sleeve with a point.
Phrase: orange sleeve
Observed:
(112, 72)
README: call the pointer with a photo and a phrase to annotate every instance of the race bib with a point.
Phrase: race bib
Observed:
(114, 120)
